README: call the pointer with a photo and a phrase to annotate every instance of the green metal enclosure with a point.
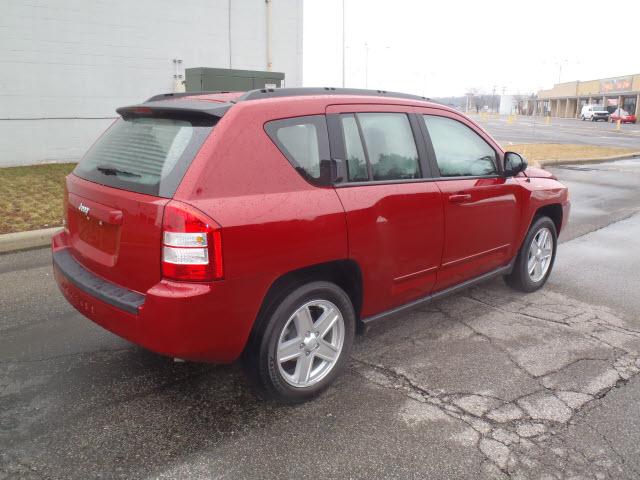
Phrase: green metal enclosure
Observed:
(204, 79)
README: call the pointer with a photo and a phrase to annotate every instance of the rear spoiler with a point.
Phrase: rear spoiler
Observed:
(178, 108)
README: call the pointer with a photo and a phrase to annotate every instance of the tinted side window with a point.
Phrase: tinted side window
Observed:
(390, 145)
(305, 143)
(459, 150)
(356, 160)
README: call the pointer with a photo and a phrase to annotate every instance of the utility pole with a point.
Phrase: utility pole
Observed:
(344, 47)
(559, 72)
(560, 63)
(269, 55)
(366, 65)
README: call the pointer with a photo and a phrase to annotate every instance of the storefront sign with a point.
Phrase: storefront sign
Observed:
(611, 85)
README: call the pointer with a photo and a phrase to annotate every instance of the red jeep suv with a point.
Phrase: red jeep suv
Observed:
(271, 224)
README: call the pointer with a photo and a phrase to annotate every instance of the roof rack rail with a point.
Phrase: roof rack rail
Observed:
(306, 91)
(169, 96)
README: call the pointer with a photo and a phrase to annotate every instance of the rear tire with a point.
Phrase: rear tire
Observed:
(301, 343)
(535, 259)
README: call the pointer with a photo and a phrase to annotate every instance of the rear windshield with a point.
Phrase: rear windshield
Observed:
(144, 155)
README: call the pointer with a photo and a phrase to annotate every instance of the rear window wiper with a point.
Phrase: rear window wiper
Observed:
(115, 171)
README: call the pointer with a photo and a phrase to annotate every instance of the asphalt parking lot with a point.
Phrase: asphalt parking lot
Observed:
(560, 130)
(488, 383)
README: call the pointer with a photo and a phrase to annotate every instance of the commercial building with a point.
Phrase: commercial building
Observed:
(567, 99)
(65, 65)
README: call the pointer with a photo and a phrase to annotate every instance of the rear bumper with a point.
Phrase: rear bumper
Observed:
(96, 287)
(207, 322)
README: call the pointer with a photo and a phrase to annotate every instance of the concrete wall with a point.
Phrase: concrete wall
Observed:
(565, 89)
(65, 65)
(542, 94)
(592, 87)
(571, 106)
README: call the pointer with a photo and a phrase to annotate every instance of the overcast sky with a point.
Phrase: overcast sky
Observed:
(446, 47)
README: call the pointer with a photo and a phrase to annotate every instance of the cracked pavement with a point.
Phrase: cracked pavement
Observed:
(486, 384)
(524, 370)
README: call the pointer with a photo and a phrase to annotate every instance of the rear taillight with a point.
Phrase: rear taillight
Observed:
(191, 244)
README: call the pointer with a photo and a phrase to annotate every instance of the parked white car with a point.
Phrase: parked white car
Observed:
(594, 113)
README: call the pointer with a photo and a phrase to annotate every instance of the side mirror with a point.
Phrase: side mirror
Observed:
(513, 164)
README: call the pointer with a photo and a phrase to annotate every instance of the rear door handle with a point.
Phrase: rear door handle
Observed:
(458, 198)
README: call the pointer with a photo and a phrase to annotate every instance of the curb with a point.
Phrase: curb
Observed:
(551, 163)
(12, 242)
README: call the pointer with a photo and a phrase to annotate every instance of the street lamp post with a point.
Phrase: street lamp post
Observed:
(366, 65)
(560, 63)
(344, 48)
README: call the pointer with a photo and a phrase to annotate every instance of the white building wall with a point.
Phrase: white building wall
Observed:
(65, 65)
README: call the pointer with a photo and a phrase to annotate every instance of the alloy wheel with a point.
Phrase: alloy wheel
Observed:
(540, 254)
(310, 343)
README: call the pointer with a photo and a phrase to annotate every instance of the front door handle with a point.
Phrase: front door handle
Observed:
(459, 198)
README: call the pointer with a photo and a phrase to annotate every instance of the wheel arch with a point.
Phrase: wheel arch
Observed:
(553, 211)
(345, 273)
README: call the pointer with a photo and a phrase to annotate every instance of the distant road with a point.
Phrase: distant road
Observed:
(560, 130)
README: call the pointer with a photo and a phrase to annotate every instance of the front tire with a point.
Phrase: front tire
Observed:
(535, 259)
(302, 343)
